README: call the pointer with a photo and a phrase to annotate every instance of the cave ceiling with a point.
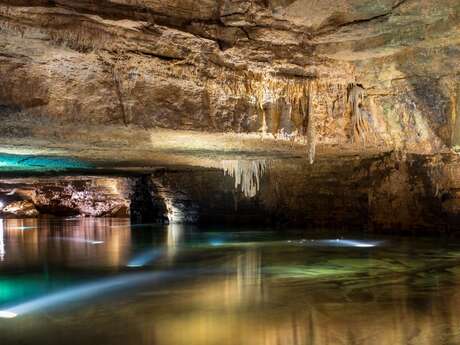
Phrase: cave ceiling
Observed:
(182, 82)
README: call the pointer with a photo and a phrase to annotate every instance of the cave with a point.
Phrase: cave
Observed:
(237, 172)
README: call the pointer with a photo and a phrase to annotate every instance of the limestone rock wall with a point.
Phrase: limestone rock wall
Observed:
(65, 196)
(242, 66)
(386, 192)
(393, 192)
(373, 84)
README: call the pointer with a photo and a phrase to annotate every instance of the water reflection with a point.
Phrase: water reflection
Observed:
(251, 288)
(79, 292)
(145, 257)
(175, 236)
(2, 242)
(69, 243)
(249, 275)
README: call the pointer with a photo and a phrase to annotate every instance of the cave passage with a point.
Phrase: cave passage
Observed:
(229, 172)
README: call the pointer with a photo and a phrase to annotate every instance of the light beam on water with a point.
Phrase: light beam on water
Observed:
(82, 292)
(79, 240)
(145, 257)
(338, 243)
(350, 243)
(22, 228)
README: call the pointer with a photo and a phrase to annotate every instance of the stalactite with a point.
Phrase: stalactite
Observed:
(455, 113)
(281, 102)
(246, 174)
(311, 129)
(285, 105)
(7, 25)
(287, 127)
(119, 93)
(88, 36)
(124, 80)
(360, 126)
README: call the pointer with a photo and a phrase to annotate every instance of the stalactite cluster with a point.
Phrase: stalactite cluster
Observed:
(311, 129)
(6, 25)
(361, 122)
(84, 38)
(273, 97)
(285, 106)
(246, 174)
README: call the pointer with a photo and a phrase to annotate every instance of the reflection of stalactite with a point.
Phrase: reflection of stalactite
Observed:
(246, 173)
(249, 275)
(174, 237)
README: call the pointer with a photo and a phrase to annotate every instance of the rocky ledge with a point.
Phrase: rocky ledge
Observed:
(384, 192)
(327, 72)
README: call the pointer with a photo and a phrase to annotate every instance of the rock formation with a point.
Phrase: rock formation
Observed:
(167, 84)
(66, 196)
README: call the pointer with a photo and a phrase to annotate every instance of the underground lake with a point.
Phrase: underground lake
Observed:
(109, 281)
(229, 172)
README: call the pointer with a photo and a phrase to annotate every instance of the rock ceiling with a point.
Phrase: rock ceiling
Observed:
(161, 80)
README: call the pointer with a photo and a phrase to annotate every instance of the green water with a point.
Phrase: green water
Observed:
(109, 282)
(29, 163)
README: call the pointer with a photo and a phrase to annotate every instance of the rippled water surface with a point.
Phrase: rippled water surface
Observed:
(109, 282)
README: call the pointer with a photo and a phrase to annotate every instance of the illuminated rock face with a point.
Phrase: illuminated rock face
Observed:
(238, 66)
(22, 208)
(65, 196)
(178, 85)
(383, 191)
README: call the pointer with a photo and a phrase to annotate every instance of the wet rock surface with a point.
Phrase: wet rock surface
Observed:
(166, 91)
(385, 192)
(238, 66)
(382, 193)
(65, 196)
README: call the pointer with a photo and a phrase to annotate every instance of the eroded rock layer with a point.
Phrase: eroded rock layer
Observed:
(384, 191)
(65, 196)
(241, 66)
(177, 90)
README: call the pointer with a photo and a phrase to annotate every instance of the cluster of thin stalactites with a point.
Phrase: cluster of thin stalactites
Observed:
(362, 126)
(247, 174)
(285, 105)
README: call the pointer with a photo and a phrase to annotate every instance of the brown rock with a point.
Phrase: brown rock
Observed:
(21, 209)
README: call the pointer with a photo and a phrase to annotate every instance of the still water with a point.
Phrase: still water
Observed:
(106, 281)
